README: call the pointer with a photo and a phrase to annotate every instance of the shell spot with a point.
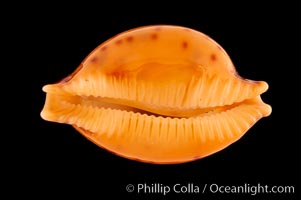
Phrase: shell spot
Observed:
(213, 57)
(130, 38)
(118, 42)
(154, 36)
(68, 78)
(104, 48)
(184, 44)
(94, 59)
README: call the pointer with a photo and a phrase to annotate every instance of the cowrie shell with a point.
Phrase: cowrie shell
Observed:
(158, 94)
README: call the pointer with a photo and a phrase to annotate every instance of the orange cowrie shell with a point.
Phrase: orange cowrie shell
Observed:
(158, 94)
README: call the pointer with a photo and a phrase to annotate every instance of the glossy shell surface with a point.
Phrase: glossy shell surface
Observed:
(160, 94)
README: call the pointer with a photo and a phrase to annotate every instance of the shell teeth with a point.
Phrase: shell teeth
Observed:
(241, 117)
(169, 134)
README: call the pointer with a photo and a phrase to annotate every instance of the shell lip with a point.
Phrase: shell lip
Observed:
(55, 97)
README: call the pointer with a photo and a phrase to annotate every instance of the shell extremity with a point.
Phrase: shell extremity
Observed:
(158, 94)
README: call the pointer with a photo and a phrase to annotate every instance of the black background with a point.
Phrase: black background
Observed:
(57, 161)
